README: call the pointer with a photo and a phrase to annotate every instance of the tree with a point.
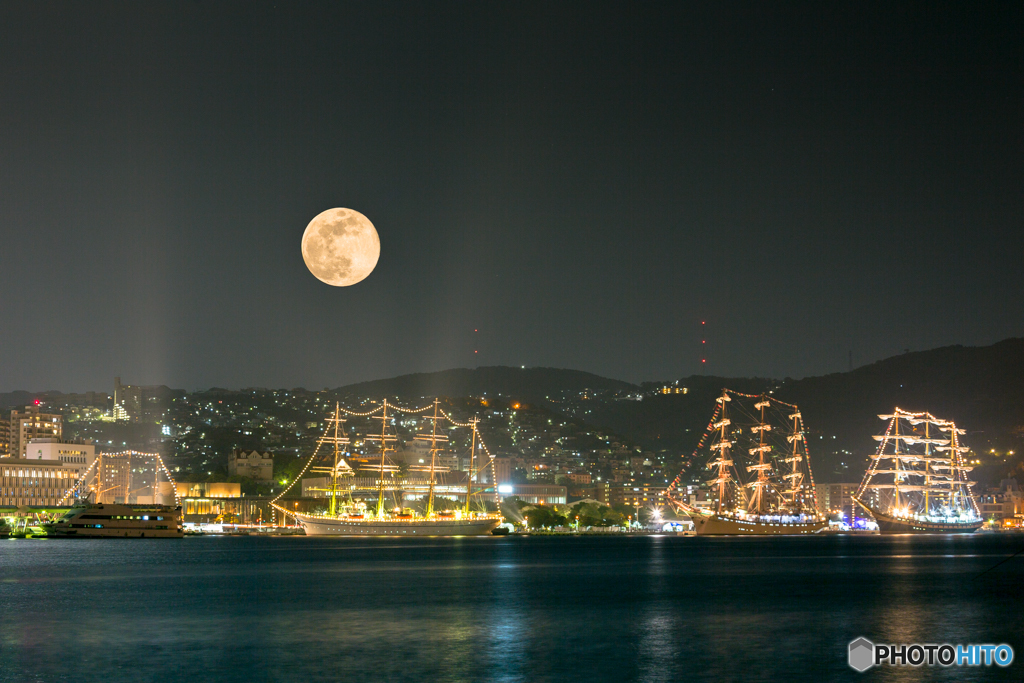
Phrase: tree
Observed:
(542, 516)
(595, 514)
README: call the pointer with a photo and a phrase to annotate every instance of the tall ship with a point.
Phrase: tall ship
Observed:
(917, 481)
(347, 516)
(757, 451)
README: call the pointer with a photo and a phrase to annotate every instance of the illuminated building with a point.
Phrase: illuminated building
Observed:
(533, 493)
(251, 464)
(218, 501)
(636, 495)
(5, 438)
(208, 489)
(1003, 506)
(579, 477)
(77, 456)
(34, 482)
(30, 424)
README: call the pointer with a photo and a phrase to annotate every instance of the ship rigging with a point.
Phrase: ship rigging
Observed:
(347, 516)
(917, 479)
(755, 446)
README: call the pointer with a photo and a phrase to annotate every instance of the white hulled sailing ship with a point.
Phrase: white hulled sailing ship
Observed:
(917, 482)
(763, 484)
(346, 516)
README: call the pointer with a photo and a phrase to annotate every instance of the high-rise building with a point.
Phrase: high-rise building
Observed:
(127, 401)
(31, 423)
(136, 403)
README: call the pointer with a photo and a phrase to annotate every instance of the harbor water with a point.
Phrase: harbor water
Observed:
(576, 608)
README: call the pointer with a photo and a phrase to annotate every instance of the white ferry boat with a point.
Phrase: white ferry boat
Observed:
(104, 520)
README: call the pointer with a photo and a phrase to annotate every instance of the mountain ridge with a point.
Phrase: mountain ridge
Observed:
(534, 383)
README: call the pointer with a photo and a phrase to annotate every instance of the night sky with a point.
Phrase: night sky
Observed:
(573, 185)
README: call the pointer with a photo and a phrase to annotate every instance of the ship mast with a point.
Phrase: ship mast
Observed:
(796, 475)
(897, 474)
(338, 439)
(959, 486)
(762, 468)
(434, 449)
(472, 462)
(927, 464)
(99, 479)
(337, 457)
(433, 461)
(722, 446)
(956, 469)
(384, 438)
(942, 477)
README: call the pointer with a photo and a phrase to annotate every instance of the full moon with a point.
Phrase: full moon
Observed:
(340, 247)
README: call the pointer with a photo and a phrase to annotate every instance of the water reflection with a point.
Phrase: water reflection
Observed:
(514, 609)
(659, 631)
(507, 626)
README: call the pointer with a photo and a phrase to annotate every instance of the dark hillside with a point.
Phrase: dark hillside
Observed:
(981, 388)
(535, 384)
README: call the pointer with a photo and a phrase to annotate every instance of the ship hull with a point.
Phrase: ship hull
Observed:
(325, 526)
(887, 524)
(714, 525)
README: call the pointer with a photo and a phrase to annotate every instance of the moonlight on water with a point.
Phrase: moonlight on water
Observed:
(340, 247)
